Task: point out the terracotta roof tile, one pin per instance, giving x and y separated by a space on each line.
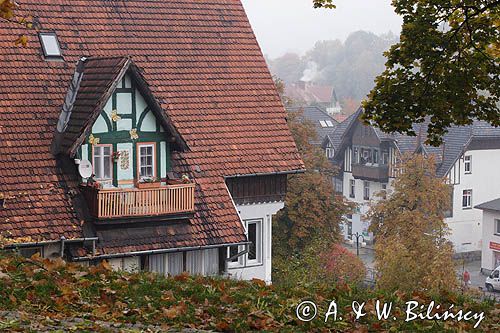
203 64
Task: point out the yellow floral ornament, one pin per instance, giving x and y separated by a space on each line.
114 116
133 134
93 140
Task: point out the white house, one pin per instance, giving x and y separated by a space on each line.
490 254
468 159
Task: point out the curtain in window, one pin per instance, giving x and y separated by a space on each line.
175 263
211 261
194 262
157 263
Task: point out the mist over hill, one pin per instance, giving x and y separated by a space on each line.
350 66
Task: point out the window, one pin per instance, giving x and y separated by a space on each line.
352 188
50 44
255 237
329 152
323 123
329 123
468 164
384 191
231 252
146 158
338 185
28 252
102 162
356 155
375 156
366 190
497 227
467 199
385 157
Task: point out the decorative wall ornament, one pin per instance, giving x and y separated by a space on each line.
133 134
124 159
114 116
93 140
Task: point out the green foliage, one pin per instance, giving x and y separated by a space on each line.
445 68
411 250
56 290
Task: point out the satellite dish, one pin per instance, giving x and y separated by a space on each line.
85 168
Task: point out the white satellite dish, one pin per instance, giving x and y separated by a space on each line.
85 168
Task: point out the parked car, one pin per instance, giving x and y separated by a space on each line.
493 281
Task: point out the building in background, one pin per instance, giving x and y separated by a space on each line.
322 121
149 143
490 254
468 160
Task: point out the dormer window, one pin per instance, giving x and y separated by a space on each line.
50 45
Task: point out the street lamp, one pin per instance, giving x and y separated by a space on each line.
357 236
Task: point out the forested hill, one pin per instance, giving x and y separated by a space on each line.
350 67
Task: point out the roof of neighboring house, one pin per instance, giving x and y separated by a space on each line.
202 64
311 92
490 205
319 118
455 141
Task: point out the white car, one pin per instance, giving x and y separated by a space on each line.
493 281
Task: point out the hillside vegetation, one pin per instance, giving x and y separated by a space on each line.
59 291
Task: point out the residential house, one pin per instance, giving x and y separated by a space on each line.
490 252
467 159
149 134
322 121
308 93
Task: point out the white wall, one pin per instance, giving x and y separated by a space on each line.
358 224
243 270
488 255
484 180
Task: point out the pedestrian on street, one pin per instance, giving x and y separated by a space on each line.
466 278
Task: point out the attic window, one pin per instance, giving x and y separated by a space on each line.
50 45
323 123
329 123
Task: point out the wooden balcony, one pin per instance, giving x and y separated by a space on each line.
378 173
131 203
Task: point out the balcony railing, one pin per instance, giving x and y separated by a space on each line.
120 203
373 172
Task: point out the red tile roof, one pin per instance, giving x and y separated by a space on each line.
200 59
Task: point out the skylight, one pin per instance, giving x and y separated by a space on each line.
323 123
329 123
50 45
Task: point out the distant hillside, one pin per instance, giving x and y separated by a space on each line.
349 67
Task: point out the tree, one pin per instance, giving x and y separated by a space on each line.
8 13
411 250
445 67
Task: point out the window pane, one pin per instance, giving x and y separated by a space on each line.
252 237
50 45
233 250
107 167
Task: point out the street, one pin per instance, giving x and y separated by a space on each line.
366 254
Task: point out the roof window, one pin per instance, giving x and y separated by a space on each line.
50 45
329 123
323 123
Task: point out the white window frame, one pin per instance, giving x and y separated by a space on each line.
468 164
467 199
330 152
102 157
239 260
44 40
366 190
259 242
352 188
139 155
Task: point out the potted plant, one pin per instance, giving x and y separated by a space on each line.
116 156
148 182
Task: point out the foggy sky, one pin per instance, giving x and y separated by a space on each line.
294 25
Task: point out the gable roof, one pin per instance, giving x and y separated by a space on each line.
95 80
315 115
493 205
455 141
202 63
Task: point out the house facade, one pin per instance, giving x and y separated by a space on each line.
156 142
467 160
490 252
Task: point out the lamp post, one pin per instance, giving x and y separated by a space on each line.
357 235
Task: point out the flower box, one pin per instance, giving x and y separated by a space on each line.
146 185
